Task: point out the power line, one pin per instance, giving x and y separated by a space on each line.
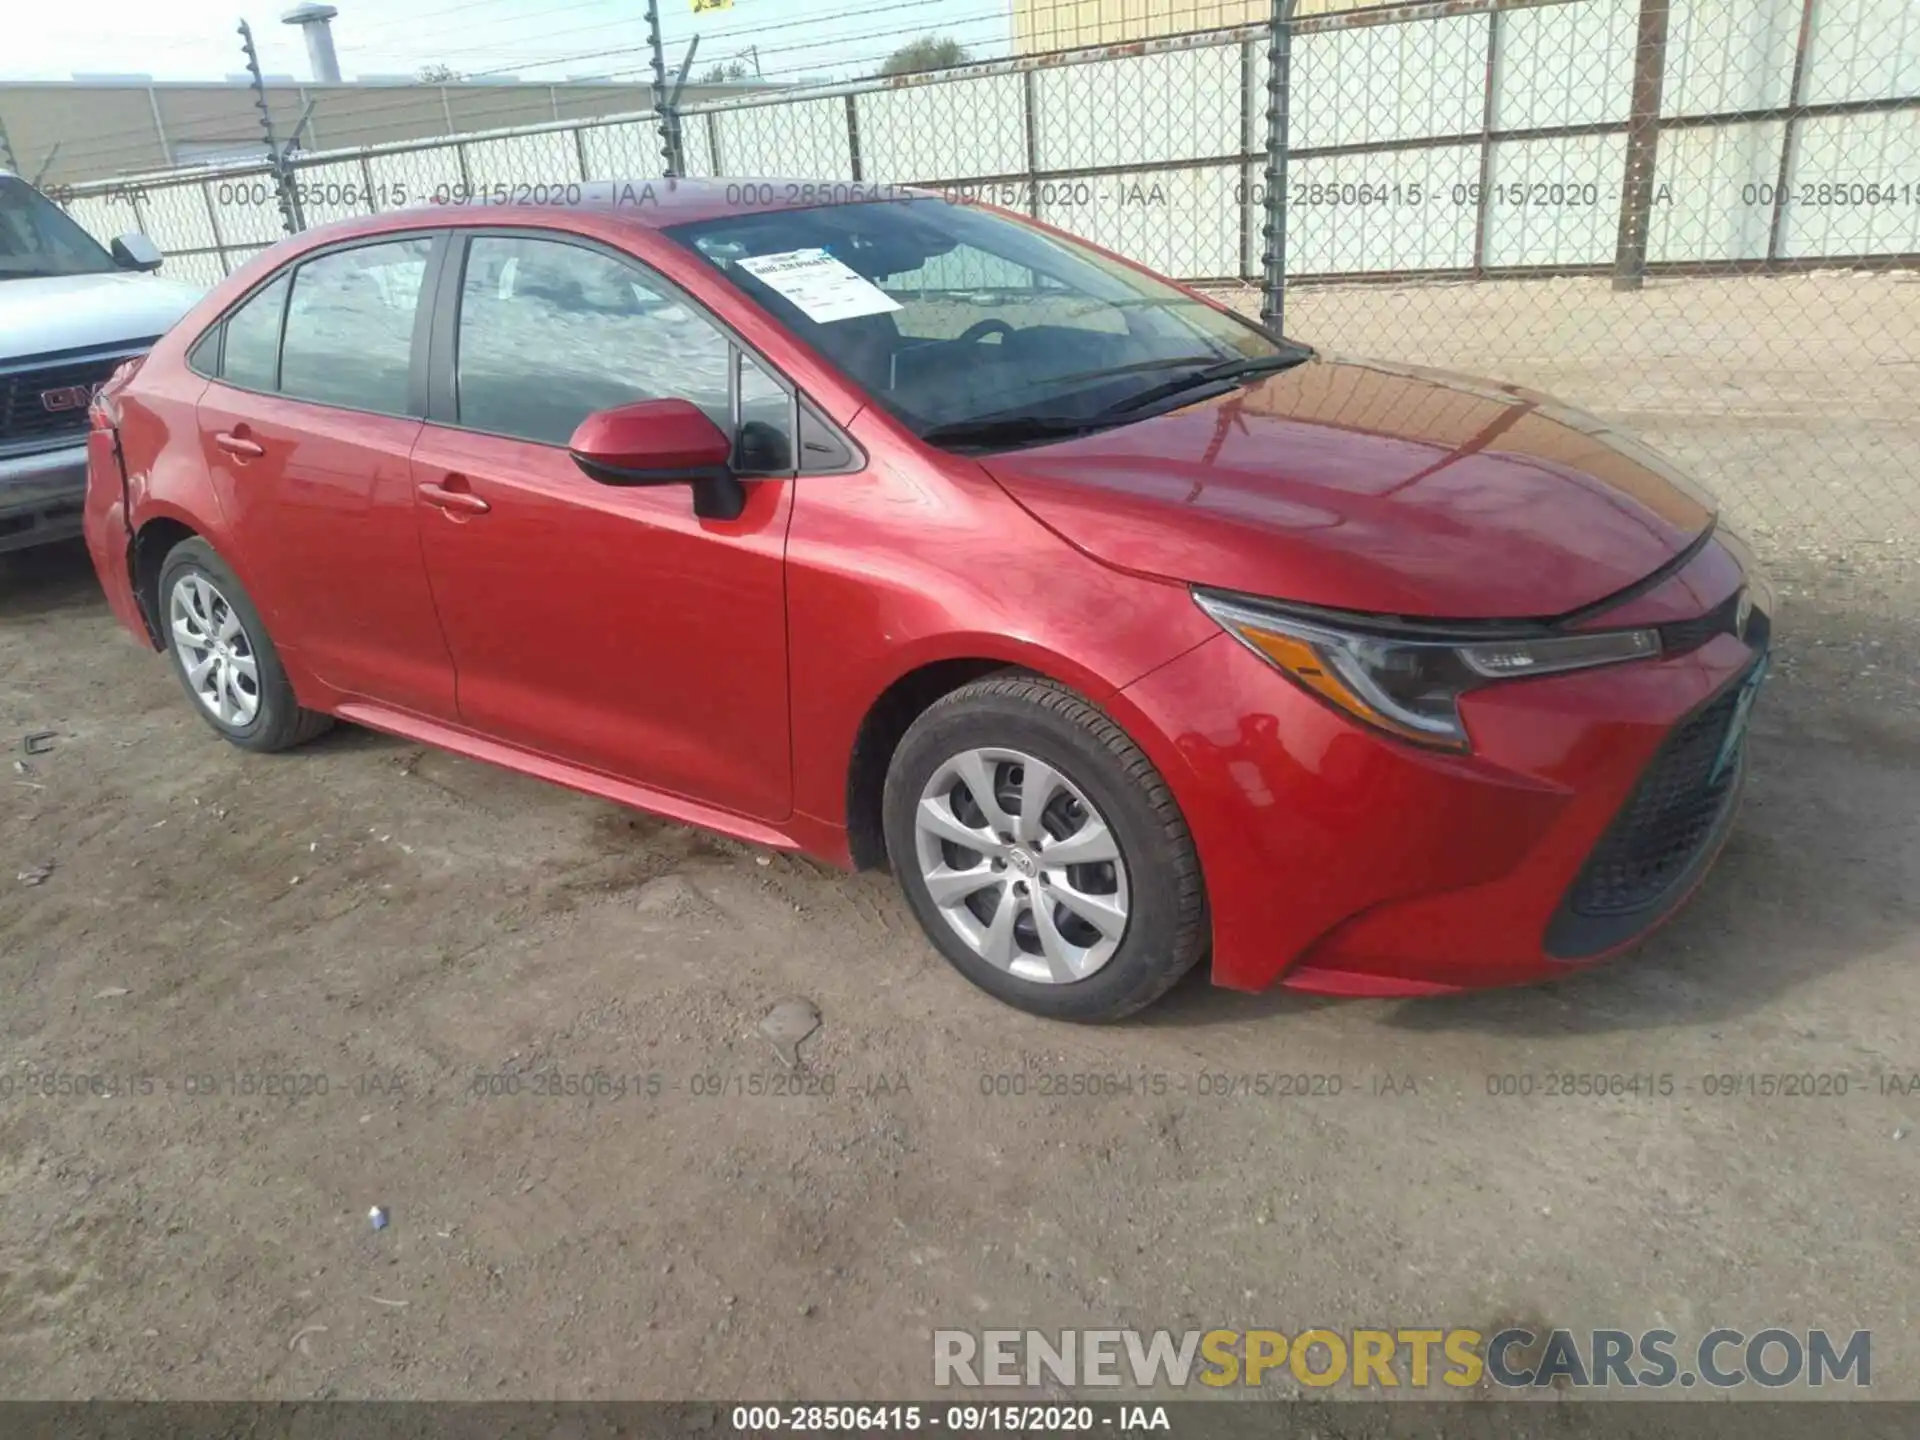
748 27
869 35
365 120
413 22
728 31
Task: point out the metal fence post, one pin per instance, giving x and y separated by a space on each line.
290 216
1029 113
1790 137
853 139
1273 297
213 226
661 110
1249 61
1643 146
1483 198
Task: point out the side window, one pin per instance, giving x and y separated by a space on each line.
253 339
551 332
349 337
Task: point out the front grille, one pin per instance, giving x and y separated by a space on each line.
1669 817
24 416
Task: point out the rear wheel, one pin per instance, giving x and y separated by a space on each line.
1042 852
221 652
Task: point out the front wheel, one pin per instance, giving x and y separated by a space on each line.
1042 852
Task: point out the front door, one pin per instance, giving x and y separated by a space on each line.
605 626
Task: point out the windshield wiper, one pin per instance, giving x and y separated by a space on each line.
1012 429
1164 362
1242 368
1004 429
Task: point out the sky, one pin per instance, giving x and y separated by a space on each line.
196 39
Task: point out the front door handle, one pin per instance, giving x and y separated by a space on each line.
458 502
238 444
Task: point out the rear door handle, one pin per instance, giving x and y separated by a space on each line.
459 502
238 444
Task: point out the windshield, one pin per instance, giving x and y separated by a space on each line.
964 323
38 238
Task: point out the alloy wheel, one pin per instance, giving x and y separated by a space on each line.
1022 865
216 653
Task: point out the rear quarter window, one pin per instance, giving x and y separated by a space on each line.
251 352
204 357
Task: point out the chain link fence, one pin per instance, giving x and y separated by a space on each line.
1699 219
211 220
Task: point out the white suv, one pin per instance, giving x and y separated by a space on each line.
70 312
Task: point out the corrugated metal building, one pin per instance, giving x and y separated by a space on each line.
73 131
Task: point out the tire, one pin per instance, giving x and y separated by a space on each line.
1098 793
200 595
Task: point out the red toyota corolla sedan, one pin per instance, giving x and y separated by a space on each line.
913 533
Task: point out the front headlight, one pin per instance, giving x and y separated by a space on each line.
1408 686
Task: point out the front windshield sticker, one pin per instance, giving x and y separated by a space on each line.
822 287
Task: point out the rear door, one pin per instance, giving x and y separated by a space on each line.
609 627
308 430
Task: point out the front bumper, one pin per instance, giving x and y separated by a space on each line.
1342 861
41 494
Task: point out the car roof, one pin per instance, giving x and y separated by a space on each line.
656 203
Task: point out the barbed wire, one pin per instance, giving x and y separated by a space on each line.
855 55
365 120
411 25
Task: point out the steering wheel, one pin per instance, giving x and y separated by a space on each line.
980 329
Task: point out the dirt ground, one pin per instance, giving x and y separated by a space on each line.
420 938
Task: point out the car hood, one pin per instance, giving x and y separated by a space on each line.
1362 486
44 313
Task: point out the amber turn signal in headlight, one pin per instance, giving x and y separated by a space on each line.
1408 686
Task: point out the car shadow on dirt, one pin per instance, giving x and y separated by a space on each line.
48 579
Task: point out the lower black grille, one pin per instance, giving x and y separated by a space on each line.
48 401
1668 819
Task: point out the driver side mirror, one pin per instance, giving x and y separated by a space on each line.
134 251
661 442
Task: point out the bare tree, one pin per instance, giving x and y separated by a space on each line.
437 74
